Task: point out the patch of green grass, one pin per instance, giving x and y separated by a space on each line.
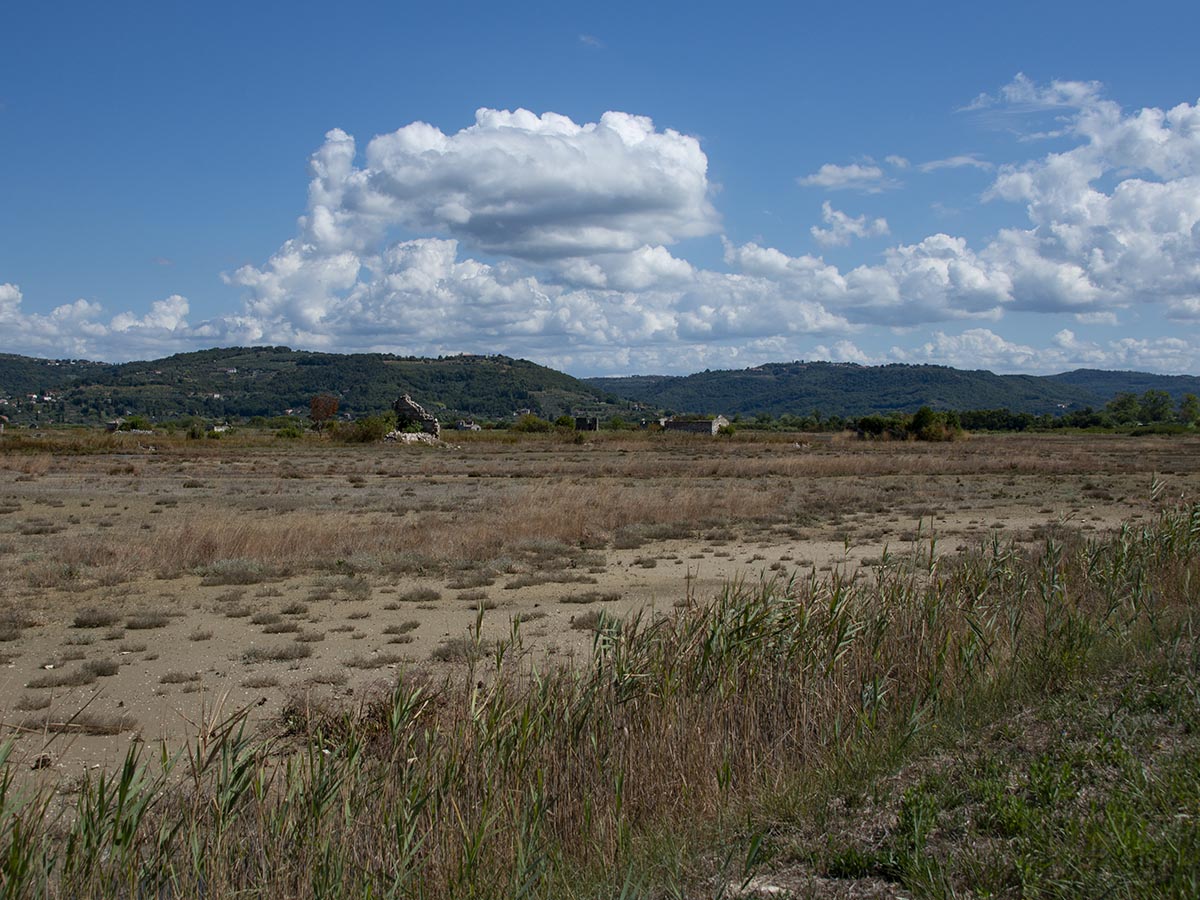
1087 792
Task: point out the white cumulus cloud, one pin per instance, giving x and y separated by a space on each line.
79 329
964 160
856 176
981 348
843 228
537 236
516 183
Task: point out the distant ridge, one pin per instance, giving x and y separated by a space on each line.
267 381
849 389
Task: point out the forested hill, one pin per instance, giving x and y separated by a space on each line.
848 389
1106 384
267 381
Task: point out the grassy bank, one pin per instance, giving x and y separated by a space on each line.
718 727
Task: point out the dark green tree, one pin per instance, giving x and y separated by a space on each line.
1189 409
1124 409
1156 406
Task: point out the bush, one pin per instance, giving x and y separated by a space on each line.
136 423
531 424
370 430
927 425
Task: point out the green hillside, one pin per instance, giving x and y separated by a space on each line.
24 375
267 381
1107 384
847 389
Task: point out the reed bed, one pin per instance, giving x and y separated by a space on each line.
518 780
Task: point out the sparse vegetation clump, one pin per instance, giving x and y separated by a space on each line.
95 618
420 595
147 620
234 571
278 653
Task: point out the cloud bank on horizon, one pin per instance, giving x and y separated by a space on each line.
536 236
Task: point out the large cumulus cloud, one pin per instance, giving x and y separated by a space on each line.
518 184
581 218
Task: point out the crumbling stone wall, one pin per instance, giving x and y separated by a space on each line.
409 412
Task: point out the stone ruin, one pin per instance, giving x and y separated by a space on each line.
409 412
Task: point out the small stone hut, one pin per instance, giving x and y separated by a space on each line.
696 426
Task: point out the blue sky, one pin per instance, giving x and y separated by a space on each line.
659 188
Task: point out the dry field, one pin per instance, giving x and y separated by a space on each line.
146 584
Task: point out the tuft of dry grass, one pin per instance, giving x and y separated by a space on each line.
147 620
236 570
459 650
92 617
535 578
57 678
103 668
85 722
419 595
375 660
403 627
591 597
588 621
177 677
278 653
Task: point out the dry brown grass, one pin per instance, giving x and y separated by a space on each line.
574 779
462 511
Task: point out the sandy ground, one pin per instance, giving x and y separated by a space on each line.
169 645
